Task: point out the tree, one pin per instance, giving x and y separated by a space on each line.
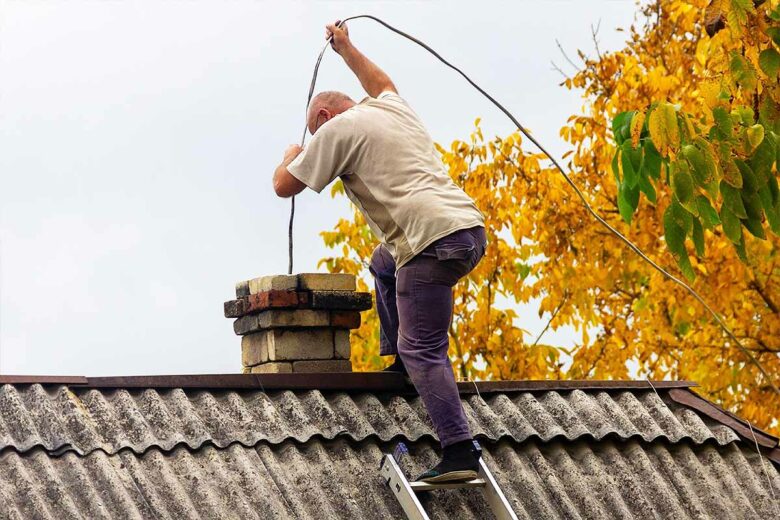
686 114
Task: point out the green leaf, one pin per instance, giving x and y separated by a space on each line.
763 159
628 200
682 182
769 112
740 247
707 212
755 135
646 187
630 166
774 32
710 163
752 203
749 181
742 71
615 168
772 215
732 227
685 266
769 61
774 189
621 126
755 228
731 173
681 216
732 200
698 237
673 233
652 160
722 123
695 159
746 115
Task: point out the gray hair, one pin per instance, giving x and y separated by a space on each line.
331 100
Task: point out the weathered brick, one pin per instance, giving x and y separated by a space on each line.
272 368
259 302
273 319
242 289
342 347
341 300
324 365
345 319
245 325
326 282
235 308
254 349
279 282
286 345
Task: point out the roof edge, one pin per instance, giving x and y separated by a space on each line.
356 381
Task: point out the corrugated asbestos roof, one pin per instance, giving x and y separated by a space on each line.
70 419
598 451
340 479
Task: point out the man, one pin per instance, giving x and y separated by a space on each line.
431 233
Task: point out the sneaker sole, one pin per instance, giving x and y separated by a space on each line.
452 476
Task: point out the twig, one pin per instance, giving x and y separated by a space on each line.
566 56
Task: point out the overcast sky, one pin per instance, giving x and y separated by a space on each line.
138 139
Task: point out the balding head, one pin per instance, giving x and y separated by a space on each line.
324 106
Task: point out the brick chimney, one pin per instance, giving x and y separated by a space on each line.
296 323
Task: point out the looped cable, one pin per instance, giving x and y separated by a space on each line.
569 181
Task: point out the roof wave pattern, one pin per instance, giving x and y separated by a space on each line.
66 419
340 479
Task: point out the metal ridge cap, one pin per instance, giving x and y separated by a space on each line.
750 433
358 381
22 379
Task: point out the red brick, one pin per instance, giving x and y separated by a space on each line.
345 319
259 302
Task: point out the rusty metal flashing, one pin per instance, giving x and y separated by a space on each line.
770 443
42 380
356 381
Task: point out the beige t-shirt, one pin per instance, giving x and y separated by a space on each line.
391 171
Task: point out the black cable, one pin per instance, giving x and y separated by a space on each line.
579 193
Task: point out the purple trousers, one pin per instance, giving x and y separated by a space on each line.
415 312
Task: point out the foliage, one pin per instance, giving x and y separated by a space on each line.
666 116
719 153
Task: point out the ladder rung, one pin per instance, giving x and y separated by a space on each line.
418 487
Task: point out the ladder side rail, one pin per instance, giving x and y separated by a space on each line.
400 487
494 496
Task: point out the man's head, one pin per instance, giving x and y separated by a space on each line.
326 105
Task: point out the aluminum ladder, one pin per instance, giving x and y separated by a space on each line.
406 492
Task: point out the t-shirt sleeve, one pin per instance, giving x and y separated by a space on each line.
328 155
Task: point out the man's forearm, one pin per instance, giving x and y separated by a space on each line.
373 79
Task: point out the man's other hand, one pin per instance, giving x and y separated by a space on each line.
285 185
340 36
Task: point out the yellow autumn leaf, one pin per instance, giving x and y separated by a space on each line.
636 127
544 247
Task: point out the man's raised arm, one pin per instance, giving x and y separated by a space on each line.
373 79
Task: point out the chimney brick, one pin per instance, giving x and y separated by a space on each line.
297 323
325 365
341 344
287 345
272 368
345 319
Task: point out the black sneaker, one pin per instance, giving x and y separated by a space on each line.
460 462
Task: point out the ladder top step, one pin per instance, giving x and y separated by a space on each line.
429 486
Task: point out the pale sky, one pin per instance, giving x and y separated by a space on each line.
138 140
